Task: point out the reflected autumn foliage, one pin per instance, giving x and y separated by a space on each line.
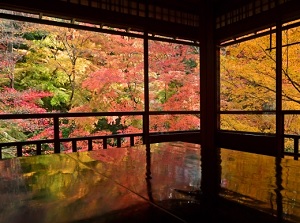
80 185
251 179
173 166
58 187
105 183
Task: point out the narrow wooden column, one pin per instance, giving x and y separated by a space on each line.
209 103
279 122
146 84
279 114
56 134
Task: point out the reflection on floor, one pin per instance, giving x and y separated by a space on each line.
114 185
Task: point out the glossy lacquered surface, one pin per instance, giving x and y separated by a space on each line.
153 183
113 185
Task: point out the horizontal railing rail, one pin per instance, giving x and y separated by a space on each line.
250 112
67 115
94 114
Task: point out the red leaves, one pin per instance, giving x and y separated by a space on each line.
101 78
13 101
21 102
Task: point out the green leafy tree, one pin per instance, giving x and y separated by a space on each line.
70 51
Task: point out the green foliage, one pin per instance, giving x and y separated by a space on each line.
67 128
10 132
114 127
191 64
170 90
35 35
43 78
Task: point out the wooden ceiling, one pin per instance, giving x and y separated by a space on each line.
171 18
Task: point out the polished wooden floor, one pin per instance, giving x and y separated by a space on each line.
114 185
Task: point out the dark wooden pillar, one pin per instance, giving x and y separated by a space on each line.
209 102
279 114
146 90
279 122
146 117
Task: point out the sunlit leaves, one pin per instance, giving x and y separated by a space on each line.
248 82
248 75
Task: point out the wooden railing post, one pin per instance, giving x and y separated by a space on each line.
56 134
296 148
105 143
74 146
19 150
38 149
118 141
90 145
131 140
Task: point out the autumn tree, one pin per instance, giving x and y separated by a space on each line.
85 71
291 80
174 81
248 84
70 49
22 102
174 85
248 81
290 69
119 78
117 85
57 61
19 96
11 43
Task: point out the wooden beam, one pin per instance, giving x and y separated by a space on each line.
209 59
82 13
287 12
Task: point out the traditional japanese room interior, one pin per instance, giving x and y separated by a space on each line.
149 111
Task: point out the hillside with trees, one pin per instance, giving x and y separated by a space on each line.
54 69
47 69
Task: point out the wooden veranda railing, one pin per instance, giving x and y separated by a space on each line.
294 137
188 136
262 143
243 141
